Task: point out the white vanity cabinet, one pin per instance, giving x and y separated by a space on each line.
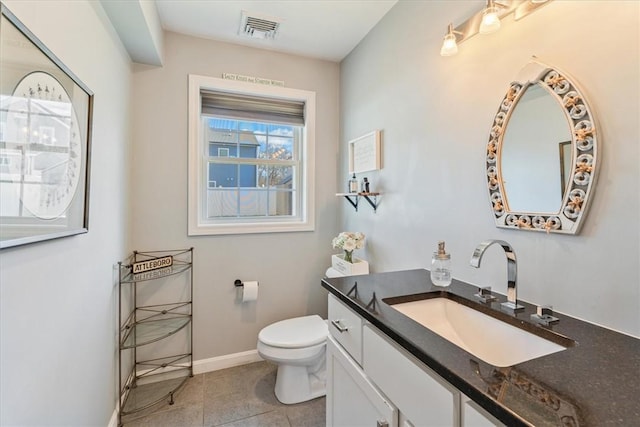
472 415
372 381
420 394
352 400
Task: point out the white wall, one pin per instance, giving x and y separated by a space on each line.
58 351
289 266
436 113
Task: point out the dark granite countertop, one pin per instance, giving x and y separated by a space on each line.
595 382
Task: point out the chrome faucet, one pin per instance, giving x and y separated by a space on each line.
512 271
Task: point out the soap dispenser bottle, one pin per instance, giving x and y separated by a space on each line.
441 266
353 184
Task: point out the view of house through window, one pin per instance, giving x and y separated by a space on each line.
252 168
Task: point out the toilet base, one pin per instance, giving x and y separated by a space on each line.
296 384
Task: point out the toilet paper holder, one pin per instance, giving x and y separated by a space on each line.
246 291
238 283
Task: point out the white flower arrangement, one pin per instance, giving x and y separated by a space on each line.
348 241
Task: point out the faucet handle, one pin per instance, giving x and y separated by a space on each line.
544 315
544 310
484 295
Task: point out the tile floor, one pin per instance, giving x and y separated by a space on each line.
236 397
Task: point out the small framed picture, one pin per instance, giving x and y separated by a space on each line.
364 153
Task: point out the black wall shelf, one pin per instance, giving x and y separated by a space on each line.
354 199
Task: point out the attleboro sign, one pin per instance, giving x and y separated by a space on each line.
151 264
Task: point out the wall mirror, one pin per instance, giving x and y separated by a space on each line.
541 158
45 140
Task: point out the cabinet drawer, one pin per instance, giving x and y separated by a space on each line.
345 327
418 392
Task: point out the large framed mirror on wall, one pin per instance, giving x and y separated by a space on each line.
542 155
45 141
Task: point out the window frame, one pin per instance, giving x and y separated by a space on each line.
198 224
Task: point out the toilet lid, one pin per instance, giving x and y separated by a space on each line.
295 333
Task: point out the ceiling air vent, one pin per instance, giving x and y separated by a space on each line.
259 26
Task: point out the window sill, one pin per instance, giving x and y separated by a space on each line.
248 228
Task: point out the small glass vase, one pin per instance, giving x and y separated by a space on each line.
348 256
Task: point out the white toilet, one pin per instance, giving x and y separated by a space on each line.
298 347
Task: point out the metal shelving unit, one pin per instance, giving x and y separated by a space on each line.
145 382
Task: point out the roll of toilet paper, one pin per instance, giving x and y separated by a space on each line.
332 272
250 291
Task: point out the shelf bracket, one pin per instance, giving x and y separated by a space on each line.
373 203
354 199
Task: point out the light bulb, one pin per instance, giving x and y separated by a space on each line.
449 44
490 21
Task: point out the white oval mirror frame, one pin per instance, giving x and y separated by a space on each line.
584 154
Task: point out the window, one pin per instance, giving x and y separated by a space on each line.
251 151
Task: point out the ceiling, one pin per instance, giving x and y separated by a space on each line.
324 29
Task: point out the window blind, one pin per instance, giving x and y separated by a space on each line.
237 106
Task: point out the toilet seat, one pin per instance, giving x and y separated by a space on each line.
295 356
299 332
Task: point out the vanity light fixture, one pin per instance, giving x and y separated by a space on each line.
490 20
487 21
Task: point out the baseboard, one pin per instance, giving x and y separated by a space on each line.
202 366
210 365
226 361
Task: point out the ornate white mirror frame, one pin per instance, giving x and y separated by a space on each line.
584 154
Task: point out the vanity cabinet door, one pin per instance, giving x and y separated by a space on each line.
474 416
352 400
418 392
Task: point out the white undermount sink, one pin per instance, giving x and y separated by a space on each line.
492 340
